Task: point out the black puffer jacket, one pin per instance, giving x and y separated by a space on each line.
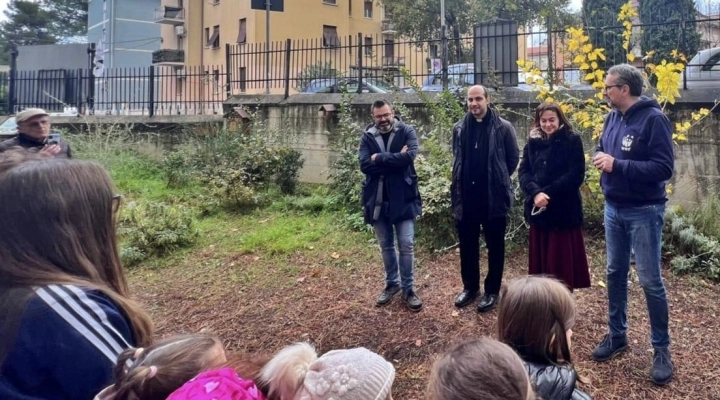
553 382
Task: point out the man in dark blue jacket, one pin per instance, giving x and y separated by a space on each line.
635 155
390 197
486 154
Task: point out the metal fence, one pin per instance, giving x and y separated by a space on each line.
366 62
156 90
292 65
4 83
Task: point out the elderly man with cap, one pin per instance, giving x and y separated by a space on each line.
34 134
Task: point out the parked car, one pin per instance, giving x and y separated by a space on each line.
334 85
703 71
8 127
459 76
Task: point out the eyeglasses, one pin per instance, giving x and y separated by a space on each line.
116 203
383 116
607 87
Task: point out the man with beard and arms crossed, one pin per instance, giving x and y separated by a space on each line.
485 152
635 155
390 197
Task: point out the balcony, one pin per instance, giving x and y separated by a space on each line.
169 57
387 27
391 61
170 15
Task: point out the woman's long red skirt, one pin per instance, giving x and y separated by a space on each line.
560 254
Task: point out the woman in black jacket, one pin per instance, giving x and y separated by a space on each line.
551 173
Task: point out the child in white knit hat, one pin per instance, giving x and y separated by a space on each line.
296 373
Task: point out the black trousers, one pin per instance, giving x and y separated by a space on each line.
468 230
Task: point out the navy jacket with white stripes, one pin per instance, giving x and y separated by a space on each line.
68 342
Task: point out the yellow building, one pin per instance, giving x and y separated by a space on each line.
322 32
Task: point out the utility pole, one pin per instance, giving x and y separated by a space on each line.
443 38
267 47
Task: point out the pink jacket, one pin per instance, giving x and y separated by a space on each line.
221 384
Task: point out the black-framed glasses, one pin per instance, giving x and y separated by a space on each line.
116 202
608 87
382 117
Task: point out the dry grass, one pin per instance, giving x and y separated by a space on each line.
260 304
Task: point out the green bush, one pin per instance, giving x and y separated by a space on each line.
230 188
692 251
154 229
255 158
345 176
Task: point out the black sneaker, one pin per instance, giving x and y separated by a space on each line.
609 347
387 295
412 301
662 367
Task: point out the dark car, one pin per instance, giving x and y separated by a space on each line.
335 85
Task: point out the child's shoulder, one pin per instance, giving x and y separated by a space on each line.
552 381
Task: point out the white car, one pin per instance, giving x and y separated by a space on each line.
9 127
703 71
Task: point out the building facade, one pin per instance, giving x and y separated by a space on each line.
195 33
127 30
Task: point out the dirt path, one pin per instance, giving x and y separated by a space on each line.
259 307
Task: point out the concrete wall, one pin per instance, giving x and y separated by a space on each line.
697 166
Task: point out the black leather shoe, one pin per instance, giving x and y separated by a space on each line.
387 295
465 298
488 302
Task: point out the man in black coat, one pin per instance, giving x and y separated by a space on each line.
390 198
486 154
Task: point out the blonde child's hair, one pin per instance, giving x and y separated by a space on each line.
533 318
479 369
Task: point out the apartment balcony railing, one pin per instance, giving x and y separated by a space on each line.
387 27
168 57
392 61
170 15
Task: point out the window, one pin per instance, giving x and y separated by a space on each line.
349 7
330 36
243 79
389 48
368 45
216 76
433 51
214 40
368 8
207 37
333 2
179 85
242 35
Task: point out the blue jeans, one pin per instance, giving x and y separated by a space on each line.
639 229
385 233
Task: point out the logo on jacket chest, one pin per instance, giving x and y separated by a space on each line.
627 142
